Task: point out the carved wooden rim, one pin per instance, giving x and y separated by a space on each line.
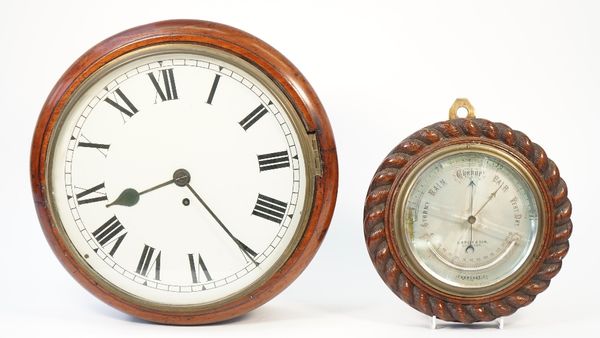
403 282
274 65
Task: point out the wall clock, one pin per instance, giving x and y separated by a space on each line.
467 220
184 171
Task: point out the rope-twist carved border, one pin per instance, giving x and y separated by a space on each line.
380 191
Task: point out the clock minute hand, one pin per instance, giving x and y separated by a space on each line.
492 195
245 249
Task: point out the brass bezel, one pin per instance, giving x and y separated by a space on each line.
400 200
312 162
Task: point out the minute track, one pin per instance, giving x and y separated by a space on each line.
252 257
249 253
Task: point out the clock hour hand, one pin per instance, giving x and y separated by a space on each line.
245 249
130 197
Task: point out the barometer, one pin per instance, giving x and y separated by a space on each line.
467 220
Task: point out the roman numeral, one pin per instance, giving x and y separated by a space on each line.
196 267
215 83
129 112
273 161
254 116
100 147
95 190
170 92
93 145
150 258
111 232
269 208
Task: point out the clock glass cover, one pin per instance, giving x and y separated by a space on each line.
179 175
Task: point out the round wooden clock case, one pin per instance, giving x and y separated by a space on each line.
270 64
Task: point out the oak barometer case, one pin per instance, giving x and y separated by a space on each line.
184 172
467 220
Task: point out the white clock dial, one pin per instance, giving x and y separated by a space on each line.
470 219
179 177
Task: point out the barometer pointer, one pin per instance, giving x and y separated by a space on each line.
471 219
492 195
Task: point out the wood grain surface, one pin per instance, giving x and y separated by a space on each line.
267 60
379 221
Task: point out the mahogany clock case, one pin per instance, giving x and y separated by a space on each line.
387 257
271 63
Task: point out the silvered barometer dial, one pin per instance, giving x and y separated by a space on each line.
467 220
470 217
182 175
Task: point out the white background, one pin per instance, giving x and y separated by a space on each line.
382 70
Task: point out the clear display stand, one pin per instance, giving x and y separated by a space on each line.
498 323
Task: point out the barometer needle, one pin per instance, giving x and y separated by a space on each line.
245 249
471 219
492 195
472 185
